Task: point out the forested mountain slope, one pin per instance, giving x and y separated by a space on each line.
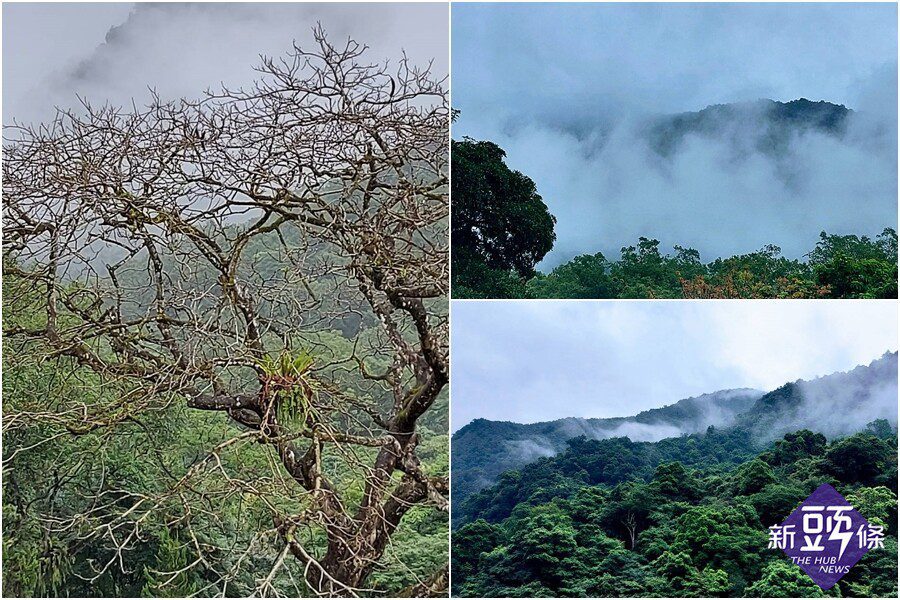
683 517
483 449
687 516
835 405
764 125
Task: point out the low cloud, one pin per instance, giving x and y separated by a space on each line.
717 193
181 49
529 450
844 403
570 107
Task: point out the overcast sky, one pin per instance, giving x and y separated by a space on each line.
561 87
116 51
544 360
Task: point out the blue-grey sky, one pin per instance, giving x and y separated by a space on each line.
561 87
528 361
115 51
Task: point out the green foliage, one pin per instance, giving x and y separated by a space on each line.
795 446
683 579
782 579
472 278
683 517
502 229
876 504
643 272
483 449
752 477
172 556
284 382
610 461
286 364
838 267
585 276
857 267
52 475
880 428
776 500
501 226
861 458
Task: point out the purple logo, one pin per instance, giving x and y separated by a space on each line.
825 536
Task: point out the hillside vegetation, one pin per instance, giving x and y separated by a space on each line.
686 515
483 449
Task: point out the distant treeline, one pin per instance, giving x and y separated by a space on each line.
840 266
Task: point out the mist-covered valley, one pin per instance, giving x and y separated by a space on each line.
724 179
835 405
687 516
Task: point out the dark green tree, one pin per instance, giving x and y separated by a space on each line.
471 541
881 428
795 446
501 227
752 477
585 276
857 267
859 458
682 517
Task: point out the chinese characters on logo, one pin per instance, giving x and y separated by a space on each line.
825 536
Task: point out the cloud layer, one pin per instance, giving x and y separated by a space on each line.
539 361
114 53
565 89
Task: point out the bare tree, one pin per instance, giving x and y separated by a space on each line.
133 228
630 523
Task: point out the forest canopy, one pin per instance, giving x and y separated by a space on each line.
501 226
683 517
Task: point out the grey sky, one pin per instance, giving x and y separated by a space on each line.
663 58
116 51
544 360
561 87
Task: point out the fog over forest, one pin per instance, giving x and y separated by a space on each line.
530 362
569 93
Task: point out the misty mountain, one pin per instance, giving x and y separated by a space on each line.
764 126
484 449
835 405
731 178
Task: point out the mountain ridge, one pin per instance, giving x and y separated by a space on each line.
489 448
870 390
483 449
764 125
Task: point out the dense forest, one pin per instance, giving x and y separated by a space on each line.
839 266
682 517
57 473
836 405
687 515
484 449
502 229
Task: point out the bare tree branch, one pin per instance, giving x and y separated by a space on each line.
177 248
